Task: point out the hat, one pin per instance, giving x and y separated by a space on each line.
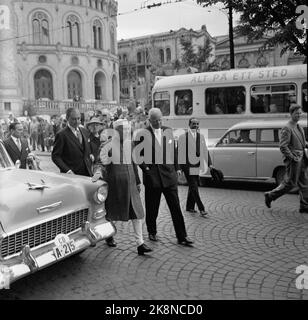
120 122
94 120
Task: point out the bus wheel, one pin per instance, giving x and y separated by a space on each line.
182 179
279 175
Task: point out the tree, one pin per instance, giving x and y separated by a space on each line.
189 56
203 55
230 5
275 19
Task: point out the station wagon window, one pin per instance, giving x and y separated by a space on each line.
162 101
304 97
225 100
183 102
272 98
238 137
269 136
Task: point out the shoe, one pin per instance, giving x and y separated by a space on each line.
111 243
203 213
186 242
143 249
191 210
153 237
303 210
268 199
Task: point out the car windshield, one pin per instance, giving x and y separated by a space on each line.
5 160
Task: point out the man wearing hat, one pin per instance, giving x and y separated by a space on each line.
95 126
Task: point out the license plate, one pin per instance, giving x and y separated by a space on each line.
64 246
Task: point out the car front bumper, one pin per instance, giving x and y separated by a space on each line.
32 260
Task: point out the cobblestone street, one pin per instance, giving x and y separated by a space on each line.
242 250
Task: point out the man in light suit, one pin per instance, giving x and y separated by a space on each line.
192 146
71 150
292 146
16 146
160 177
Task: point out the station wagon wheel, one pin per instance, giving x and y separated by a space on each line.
279 175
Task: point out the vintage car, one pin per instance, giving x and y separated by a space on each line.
46 217
250 150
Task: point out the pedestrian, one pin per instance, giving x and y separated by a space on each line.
16 145
192 146
41 131
292 146
95 126
71 149
123 202
34 133
160 177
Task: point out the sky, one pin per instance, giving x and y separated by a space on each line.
169 16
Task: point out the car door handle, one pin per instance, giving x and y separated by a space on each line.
251 153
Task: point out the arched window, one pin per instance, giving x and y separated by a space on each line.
97 35
74 84
40 28
100 86
90 3
162 56
114 88
168 54
73 31
112 40
96 4
43 86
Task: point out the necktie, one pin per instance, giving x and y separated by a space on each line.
18 144
79 136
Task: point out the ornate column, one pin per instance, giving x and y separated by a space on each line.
10 100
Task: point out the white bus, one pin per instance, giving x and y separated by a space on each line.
224 98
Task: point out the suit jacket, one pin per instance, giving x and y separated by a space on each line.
159 170
15 153
292 143
190 150
69 154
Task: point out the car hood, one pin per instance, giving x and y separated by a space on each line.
19 205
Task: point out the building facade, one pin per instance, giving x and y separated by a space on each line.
144 58
64 51
141 59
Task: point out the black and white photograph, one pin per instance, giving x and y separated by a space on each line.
153 154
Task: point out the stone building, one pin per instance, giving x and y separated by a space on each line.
143 58
58 51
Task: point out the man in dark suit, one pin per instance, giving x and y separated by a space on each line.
193 153
71 150
16 146
160 177
292 146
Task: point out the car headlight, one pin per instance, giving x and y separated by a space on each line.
101 193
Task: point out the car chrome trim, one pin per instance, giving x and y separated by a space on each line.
49 208
28 259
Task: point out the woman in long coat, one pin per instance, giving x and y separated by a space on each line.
118 170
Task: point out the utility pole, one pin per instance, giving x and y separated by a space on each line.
231 40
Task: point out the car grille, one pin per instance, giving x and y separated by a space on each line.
43 232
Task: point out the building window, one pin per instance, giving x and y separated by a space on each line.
43 85
42 59
7 106
124 58
73 31
74 84
40 28
272 98
97 35
100 86
225 100
168 54
112 40
139 57
161 56
114 88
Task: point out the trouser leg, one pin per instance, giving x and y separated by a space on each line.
137 225
303 185
152 202
289 182
190 202
172 198
193 184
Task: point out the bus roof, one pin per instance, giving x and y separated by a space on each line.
239 76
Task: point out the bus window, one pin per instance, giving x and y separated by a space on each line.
162 101
272 98
227 100
183 102
304 97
